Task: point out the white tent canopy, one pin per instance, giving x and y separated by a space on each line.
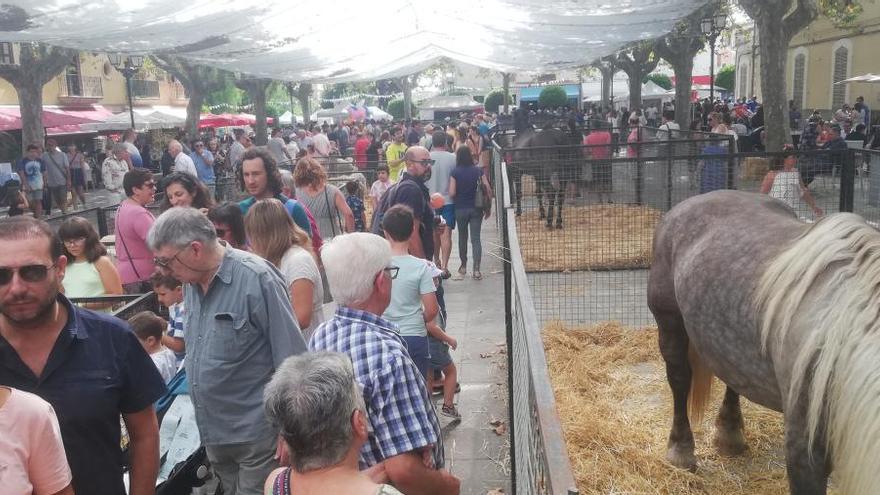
258 38
122 121
289 118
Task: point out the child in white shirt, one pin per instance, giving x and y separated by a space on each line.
149 329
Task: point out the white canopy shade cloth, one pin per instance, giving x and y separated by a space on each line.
866 78
288 118
310 40
122 121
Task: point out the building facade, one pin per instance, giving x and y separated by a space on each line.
91 80
819 56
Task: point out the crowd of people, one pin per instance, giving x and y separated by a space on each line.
338 402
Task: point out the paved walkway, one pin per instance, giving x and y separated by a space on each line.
474 451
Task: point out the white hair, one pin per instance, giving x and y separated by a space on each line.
310 399
174 145
178 227
287 179
352 262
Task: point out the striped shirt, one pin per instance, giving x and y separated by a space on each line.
401 416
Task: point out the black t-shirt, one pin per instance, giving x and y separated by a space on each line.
411 191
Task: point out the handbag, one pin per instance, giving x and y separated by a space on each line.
480 195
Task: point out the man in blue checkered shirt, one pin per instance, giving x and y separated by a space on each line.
404 431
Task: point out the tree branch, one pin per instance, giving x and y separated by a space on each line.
802 16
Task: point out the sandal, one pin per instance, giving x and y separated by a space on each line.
445 275
478 275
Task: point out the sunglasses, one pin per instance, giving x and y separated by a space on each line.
28 273
221 232
424 163
391 271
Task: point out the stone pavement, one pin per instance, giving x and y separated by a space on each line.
474 451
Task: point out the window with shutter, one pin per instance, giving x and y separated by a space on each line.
841 68
7 57
800 66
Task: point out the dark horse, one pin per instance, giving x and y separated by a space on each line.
546 155
784 313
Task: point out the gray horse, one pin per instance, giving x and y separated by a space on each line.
782 312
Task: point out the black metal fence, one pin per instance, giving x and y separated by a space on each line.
590 263
539 460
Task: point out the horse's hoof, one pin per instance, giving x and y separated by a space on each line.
730 443
559 225
682 458
549 226
519 213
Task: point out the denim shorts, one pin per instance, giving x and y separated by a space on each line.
440 357
419 352
448 214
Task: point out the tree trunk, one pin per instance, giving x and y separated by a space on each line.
302 94
407 99
30 103
635 90
774 52
259 98
607 76
683 68
194 112
505 78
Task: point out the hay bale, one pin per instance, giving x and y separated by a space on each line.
754 168
616 411
595 237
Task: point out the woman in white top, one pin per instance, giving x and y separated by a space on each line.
89 272
784 183
274 236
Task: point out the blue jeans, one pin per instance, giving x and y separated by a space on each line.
469 220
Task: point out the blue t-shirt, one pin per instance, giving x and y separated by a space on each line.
205 171
466 178
412 282
96 371
32 171
296 211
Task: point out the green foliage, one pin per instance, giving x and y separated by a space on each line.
552 96
495 99
726 77
661 80
229 94
842 13
395 108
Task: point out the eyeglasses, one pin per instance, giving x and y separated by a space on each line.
424 163
28 273
149 185
75 240
221 232
166 262
391 271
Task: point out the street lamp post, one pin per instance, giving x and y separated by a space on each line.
128 67
712 28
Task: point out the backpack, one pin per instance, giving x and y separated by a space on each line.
386 201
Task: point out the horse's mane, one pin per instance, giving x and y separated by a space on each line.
829 280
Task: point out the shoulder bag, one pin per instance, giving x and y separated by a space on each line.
335 221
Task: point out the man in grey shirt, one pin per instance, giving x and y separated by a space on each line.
239 329
57 177
278 148
237 149
444 162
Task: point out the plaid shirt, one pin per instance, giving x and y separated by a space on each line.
401 415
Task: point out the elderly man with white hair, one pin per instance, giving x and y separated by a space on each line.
239 329
405 434
182 162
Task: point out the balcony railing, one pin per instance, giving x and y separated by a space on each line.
144 88
75 86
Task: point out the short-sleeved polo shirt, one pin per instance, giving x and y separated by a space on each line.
96 371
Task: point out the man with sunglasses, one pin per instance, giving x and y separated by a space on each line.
239 329
89 366
412 191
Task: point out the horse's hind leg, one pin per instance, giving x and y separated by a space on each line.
560 197
674 349
551 202
729 438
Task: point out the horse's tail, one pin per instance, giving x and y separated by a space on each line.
701 386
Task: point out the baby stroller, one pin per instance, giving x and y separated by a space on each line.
183 463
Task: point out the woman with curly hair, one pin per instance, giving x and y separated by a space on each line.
90 272
324 200
185 190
